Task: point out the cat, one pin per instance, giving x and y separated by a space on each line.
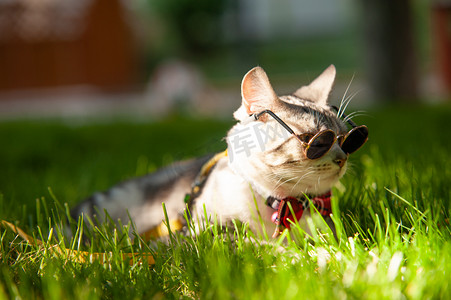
288 149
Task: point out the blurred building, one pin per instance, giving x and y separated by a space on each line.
49 43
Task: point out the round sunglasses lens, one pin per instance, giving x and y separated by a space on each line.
355 139
320 144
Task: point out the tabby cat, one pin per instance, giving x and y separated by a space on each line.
284 154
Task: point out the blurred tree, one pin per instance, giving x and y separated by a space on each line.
391 50
197 25
442 37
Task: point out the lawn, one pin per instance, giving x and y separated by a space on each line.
391 211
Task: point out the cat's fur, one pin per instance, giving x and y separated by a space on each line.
280 170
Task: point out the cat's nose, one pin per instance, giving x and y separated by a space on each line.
341 159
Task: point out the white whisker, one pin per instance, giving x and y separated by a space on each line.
347 101
302 178
355 115
283 182
344 97
286 174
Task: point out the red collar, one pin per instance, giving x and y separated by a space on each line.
283 214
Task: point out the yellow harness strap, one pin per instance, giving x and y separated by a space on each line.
203 174
76 255
161 230
212 162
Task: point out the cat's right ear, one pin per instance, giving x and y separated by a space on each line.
256 92
318 91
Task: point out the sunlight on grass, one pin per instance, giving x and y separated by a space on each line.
391 213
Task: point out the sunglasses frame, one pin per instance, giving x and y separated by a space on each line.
306 145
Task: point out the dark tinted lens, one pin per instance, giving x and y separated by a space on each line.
320 144
355 139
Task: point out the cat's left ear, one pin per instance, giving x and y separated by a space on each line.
256 92
318 91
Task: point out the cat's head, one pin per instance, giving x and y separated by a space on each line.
267 156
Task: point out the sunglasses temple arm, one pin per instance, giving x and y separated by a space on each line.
256 116
350 122
249 119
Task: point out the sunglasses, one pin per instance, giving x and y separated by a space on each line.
317 145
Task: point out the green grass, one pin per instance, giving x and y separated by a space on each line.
392 214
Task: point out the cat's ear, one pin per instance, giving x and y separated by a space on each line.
256 92
318 91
